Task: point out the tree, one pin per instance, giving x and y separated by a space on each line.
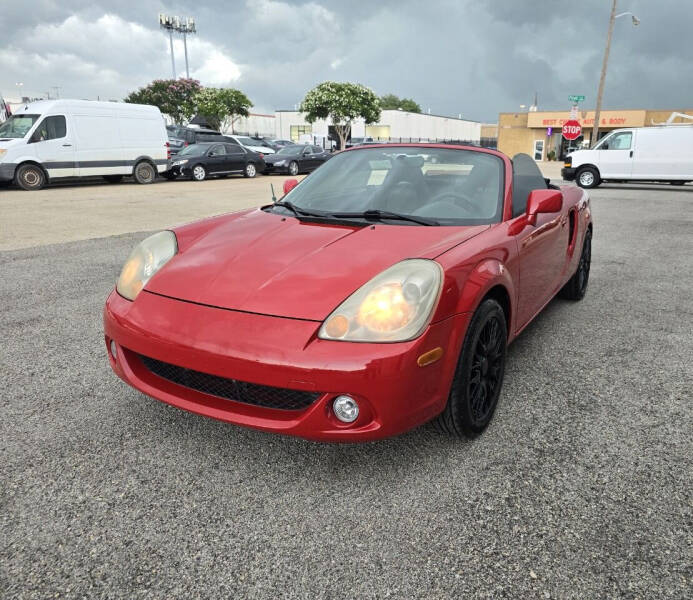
392 102
342 103
222 107
173 97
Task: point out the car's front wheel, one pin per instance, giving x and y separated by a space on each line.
250 170
293 168
30 177
199 173
478 378
588 177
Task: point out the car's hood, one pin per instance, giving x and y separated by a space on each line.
264 263
260 149
9 142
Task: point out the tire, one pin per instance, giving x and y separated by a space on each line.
576 287
144 172
198 173
293 168
250 170
588 177
113 178
30 177
471 403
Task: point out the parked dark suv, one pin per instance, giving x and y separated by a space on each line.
179 137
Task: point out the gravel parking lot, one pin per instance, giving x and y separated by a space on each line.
580 488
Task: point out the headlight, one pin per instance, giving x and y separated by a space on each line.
180 162
280 163
394 306
145 260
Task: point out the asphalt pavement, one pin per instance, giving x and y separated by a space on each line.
580 488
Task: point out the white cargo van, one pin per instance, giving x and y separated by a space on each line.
51 139
661 154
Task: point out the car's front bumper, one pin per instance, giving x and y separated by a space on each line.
7 171
393 392
568 173
270 168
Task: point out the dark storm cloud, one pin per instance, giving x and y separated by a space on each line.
453 56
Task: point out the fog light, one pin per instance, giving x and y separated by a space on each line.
345 409
113 349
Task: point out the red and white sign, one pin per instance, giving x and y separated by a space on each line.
571 130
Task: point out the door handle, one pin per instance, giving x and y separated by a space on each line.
66 145
631 154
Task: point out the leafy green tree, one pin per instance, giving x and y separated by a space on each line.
342 103
392 102
173 97
222 107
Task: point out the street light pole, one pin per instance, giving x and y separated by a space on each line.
600 93
173 58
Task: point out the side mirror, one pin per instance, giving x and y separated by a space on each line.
543 201
289 185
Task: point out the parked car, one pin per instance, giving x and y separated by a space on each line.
249 143
276 144
212 159
52 139
662 154
180 137
296 159
376 295
358 141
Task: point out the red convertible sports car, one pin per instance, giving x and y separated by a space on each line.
377 294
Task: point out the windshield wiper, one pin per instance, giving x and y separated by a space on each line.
384 214
300 212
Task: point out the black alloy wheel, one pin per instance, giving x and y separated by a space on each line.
478 378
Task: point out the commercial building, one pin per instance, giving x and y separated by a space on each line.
394 125
538 133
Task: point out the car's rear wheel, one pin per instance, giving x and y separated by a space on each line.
250 170
144 172
588 177
113 178
30 177
478 378
199 173
293 168
576 287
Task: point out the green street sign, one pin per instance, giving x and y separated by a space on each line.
576 98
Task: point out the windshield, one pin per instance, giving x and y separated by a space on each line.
193 149
17 126
453 187
294 149
246 141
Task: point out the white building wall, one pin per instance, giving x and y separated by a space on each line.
402 124
255 124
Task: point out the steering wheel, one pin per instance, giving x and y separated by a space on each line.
458 198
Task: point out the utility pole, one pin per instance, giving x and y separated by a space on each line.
186 27
167 23
600 93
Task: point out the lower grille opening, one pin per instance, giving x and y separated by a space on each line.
231 389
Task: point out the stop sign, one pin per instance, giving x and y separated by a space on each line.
571 130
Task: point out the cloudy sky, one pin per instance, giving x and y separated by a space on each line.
474 57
